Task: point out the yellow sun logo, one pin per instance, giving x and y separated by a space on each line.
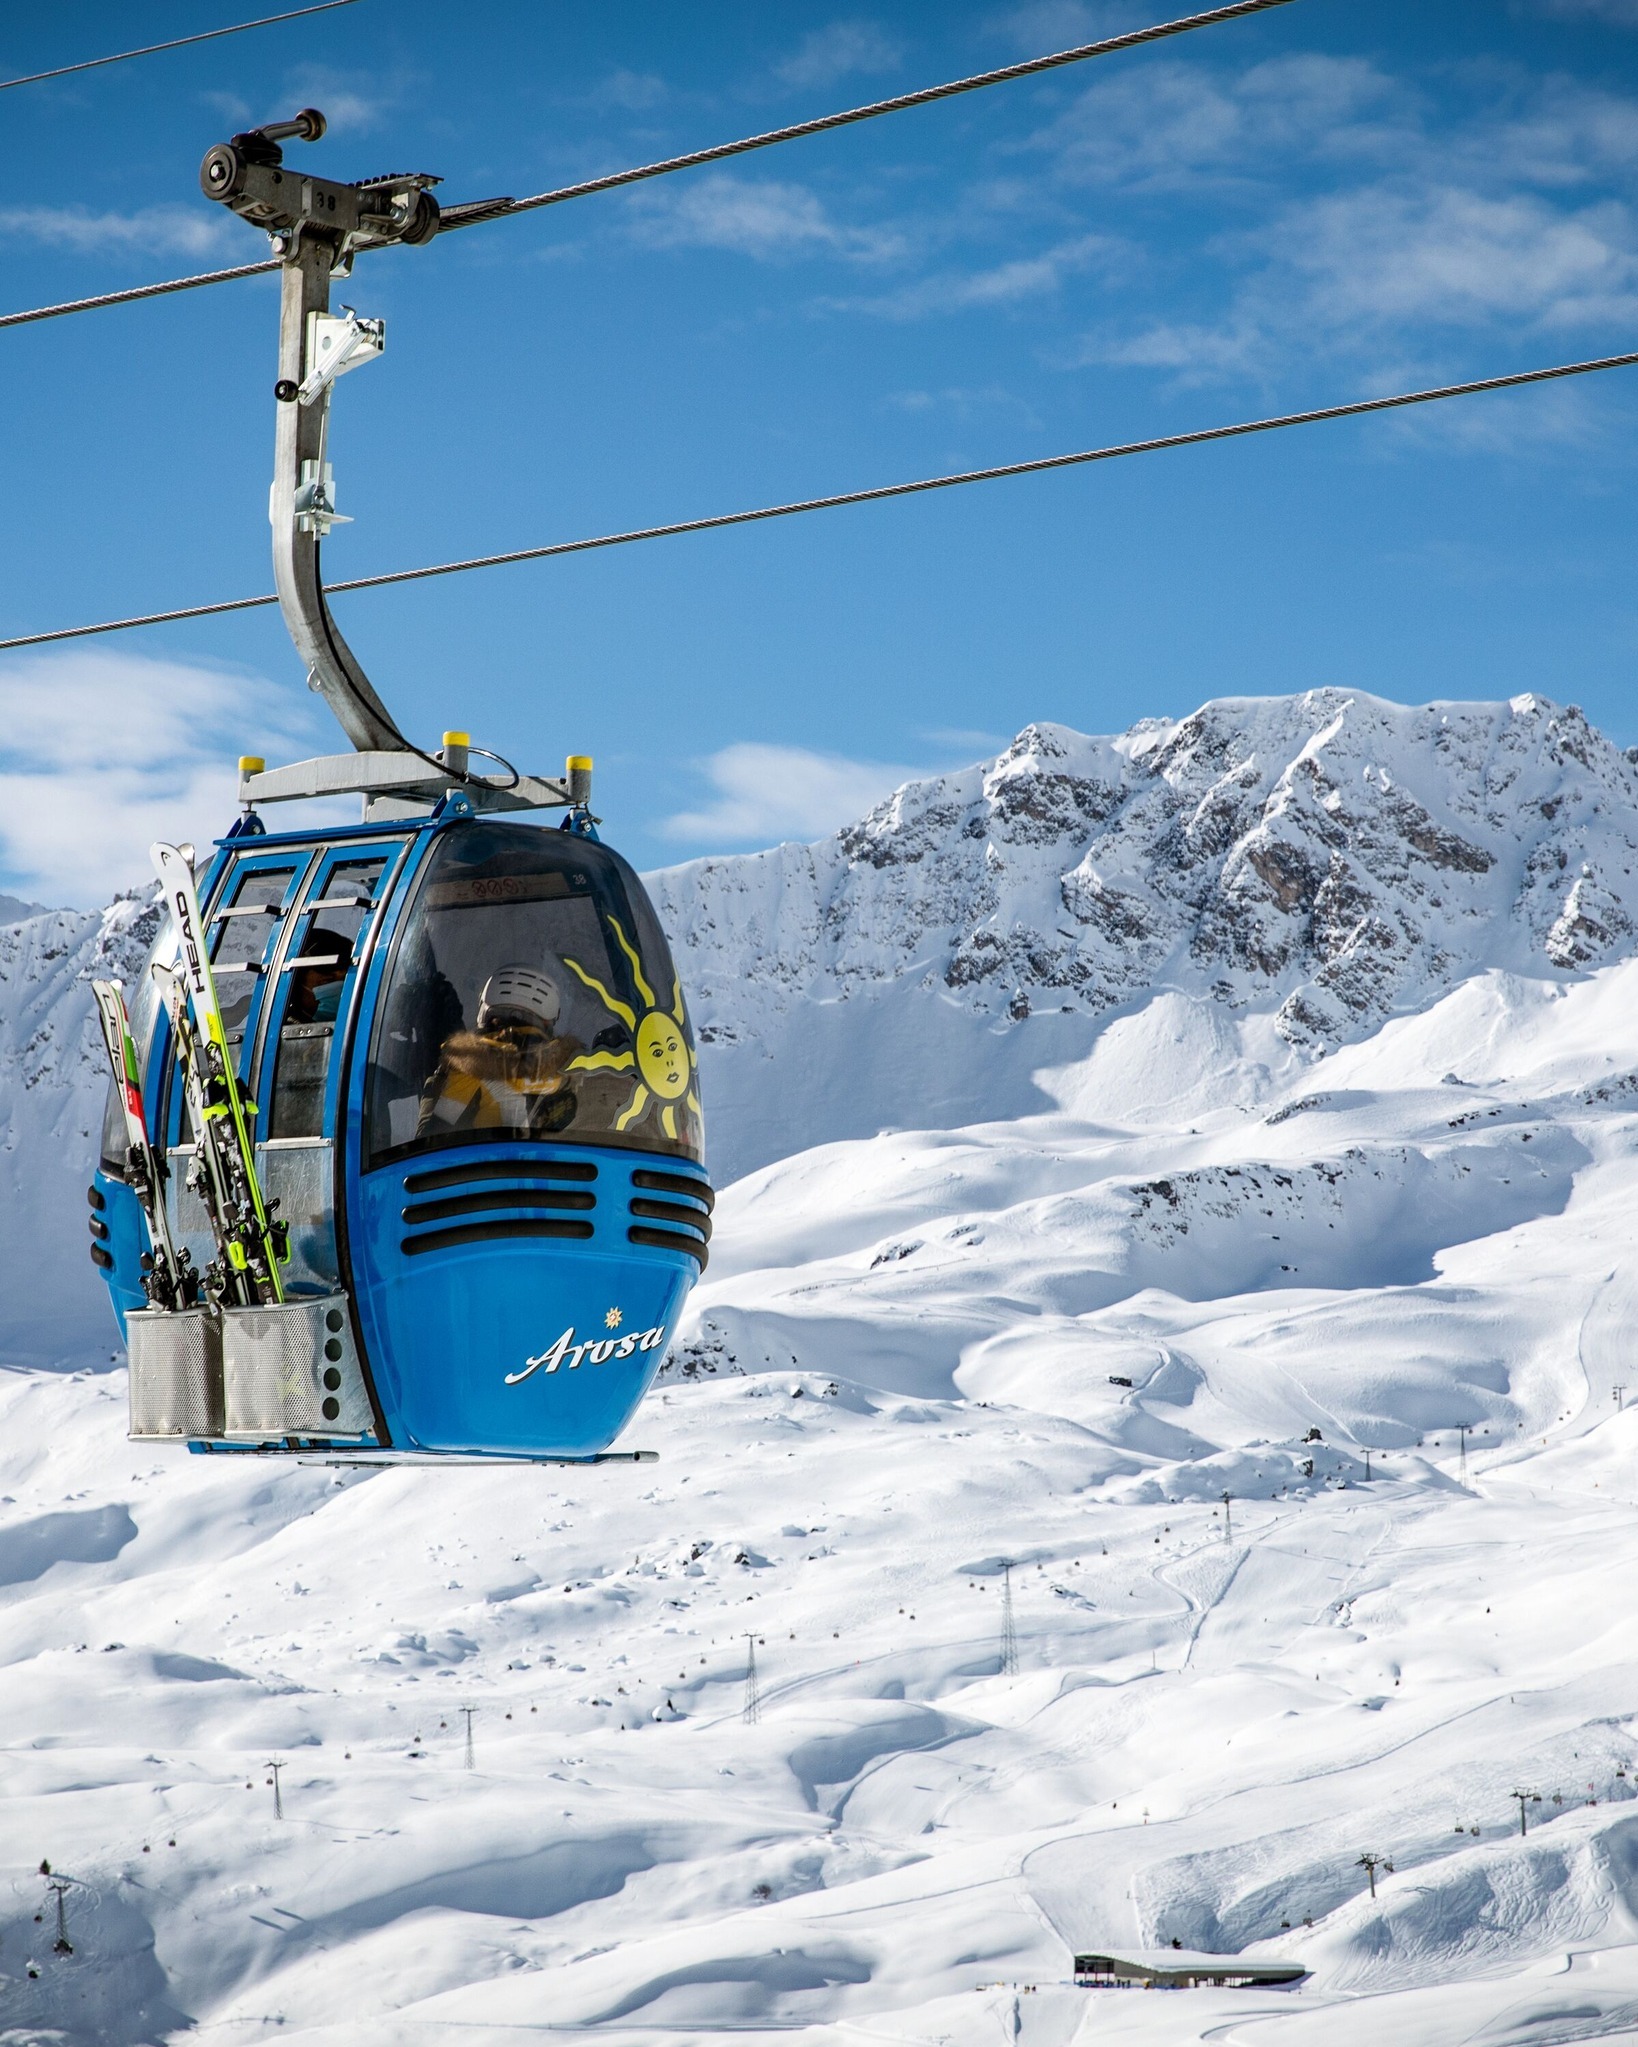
661 1061
613 1319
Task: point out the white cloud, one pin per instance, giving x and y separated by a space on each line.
1345 272
761 218
1171 123
232 109
1000 284
1195 350
101 753
157 230
964 740
1451 212
844 47
1623 12
765 794
1042 25
634 91
350 101
1460 258
966 401
1568 134
1511 423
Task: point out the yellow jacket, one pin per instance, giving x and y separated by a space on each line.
486 1082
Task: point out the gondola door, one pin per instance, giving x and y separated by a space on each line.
244 929
304 1050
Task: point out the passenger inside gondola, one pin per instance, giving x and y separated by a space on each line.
307 1034
315 991
525 970
510 1073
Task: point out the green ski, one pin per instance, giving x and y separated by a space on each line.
250 1243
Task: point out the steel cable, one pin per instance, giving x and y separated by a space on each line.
473 212
138 291
208 35
492 209
873 495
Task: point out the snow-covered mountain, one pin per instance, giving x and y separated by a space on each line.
53 1082
1289 1238
1323 862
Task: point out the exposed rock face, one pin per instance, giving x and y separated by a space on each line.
1332 857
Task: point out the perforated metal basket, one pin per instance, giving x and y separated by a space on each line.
293 1371
176 1373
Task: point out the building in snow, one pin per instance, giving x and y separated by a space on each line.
1171 1968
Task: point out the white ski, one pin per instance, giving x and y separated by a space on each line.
249 1240
168 1277
226 1280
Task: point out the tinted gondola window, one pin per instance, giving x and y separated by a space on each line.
530 994
319 975
242 929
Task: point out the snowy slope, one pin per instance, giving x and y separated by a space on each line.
1224 1255
53 1080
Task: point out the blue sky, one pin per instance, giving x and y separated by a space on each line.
1326 201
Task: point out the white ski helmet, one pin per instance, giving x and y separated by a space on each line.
519 994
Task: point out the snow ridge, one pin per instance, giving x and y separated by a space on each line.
1332 856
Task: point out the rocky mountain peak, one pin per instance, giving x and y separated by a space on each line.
1331 856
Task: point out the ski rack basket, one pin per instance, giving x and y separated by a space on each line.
248 1375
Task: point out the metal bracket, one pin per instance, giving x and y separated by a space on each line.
394 783
335 345
302 505
314 504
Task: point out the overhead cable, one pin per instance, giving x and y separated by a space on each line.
471 213
1353 410
208 35
139 291
1030 66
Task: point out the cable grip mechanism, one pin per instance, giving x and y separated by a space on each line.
249 175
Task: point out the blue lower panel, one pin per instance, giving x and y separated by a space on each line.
125 1243
483 1335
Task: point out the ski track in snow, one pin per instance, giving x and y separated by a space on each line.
908 1363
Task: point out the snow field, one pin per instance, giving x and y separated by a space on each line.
898 1375
1241 1106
